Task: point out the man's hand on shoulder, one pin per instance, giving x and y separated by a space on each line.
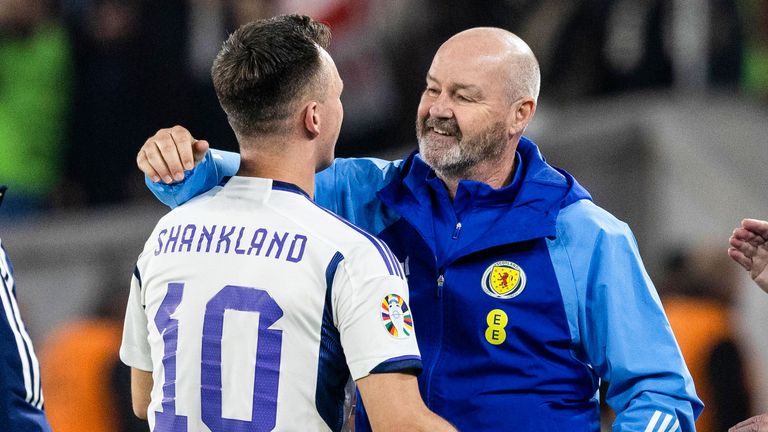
170 152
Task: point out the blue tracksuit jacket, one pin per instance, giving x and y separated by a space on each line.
523 297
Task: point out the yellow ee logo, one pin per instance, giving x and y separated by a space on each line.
497 319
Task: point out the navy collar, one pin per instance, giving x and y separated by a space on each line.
470 193
525 209
289 187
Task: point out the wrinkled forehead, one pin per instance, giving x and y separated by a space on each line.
476 65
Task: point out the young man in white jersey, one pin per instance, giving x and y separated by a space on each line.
251 307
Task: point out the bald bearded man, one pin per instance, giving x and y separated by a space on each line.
526 294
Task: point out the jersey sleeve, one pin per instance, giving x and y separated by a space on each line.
203 177
621 326
372 314
134 349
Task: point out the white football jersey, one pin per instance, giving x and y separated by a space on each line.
252 307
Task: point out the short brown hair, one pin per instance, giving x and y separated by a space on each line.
264 66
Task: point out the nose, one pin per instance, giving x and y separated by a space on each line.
440 107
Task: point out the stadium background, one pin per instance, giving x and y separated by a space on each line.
658 107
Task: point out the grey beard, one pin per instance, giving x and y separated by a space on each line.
489 145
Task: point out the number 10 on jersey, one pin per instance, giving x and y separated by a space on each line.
267 370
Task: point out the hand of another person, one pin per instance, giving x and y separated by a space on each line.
755 424
749 247
169 152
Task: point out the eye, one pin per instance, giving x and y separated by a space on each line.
431 91
463 98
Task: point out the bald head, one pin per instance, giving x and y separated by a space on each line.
499 49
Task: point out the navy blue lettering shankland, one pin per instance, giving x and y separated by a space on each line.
251 241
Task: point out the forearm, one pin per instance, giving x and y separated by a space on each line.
379 390
424 421
141 390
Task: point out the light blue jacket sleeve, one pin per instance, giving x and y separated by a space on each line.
203 177
349 188
618 326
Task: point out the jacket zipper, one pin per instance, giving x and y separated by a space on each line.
439 294
456 231
440 283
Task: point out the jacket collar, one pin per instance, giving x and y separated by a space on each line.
525 209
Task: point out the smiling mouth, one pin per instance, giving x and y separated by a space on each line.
441 127
441 132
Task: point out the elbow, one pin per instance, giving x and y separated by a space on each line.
141 388
140 411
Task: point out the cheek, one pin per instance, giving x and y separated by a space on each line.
466 121
423 110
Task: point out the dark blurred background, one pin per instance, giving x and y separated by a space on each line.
659 107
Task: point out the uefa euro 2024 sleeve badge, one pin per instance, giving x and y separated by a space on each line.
503 280
396 316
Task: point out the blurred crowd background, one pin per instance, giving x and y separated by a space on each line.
660 107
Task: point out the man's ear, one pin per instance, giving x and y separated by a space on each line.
312 119
522 115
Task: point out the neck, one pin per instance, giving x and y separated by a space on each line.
496 173
286 164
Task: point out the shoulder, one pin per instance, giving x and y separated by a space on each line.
345 234
589 236
371 166
357 171
195 208
359 248
584 219
196 205
349 187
